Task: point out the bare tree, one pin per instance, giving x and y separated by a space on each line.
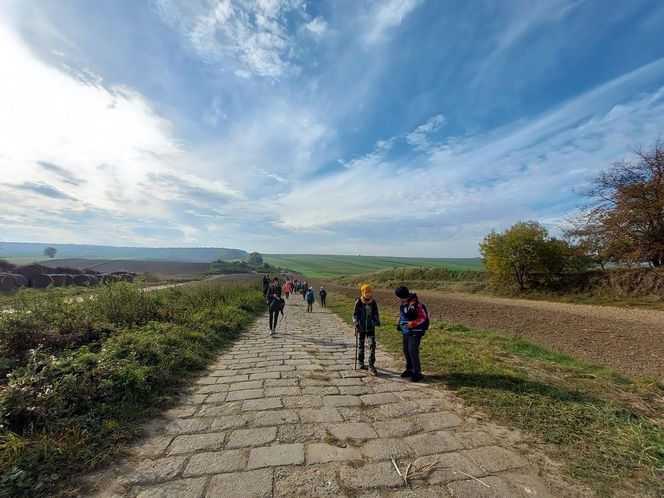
624 222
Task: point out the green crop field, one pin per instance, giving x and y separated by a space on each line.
322 266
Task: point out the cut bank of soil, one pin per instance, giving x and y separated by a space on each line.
627 340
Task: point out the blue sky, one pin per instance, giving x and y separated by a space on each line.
392 127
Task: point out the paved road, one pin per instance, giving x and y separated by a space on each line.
287 415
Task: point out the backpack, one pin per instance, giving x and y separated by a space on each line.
425 324
310 297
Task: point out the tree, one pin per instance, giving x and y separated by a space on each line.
255 258
525 251
624 221
516 252
50 252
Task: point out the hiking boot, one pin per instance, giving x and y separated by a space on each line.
372 370
406 373
363 366
416 377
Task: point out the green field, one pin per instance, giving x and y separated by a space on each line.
322 266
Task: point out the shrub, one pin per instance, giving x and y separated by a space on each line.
66 407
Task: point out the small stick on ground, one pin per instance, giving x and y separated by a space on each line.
474 478
399 472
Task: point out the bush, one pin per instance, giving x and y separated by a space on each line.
68 405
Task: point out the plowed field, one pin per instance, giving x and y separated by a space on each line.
629 340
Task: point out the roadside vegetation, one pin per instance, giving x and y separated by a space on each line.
334 266
606 428
78 376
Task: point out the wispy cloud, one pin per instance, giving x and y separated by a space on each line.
253 35
419 137
387 15
41 189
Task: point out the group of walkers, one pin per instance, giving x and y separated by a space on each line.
272 291
413 320
413 323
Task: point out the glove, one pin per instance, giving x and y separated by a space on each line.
399 327
377 323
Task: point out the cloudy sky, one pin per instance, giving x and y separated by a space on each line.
391 127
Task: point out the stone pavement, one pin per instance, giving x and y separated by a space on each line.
287 415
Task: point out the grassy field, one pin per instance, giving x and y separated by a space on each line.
606 428
326 266
77 378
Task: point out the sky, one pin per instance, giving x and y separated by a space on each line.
387 127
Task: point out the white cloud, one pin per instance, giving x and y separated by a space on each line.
318 26
461 189
253 35
386 15
81 148
419 137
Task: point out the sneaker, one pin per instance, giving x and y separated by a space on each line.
416 377
363 366
406 373
372 370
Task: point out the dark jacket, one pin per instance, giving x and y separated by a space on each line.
366 316
413 316
273 292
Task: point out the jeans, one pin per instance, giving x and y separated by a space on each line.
371 339
411 351
274 318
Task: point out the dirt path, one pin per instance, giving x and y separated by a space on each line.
628 340
288 416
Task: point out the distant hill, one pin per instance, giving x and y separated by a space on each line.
26 250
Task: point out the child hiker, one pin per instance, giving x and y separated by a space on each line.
310 300
366 319
322 293
413 323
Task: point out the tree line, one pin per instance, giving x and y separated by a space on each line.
621 224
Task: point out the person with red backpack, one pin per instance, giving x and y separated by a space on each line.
413 323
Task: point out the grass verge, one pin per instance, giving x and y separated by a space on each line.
78 377
606 428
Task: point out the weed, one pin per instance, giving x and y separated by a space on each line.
82 374
607 428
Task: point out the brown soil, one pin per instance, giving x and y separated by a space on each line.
629 340
111 265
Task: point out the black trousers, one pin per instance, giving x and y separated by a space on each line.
274 318
370 337
411 351
322 301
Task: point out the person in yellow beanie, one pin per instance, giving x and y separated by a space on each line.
366 319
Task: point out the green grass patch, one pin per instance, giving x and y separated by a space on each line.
606 428
326 266
78 377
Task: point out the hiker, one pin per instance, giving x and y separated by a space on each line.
310 299
274 305
366 319
413 323
266 284
322 293
305 288
288 288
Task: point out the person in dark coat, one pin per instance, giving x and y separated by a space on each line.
274 304
366 319
413 323
322 294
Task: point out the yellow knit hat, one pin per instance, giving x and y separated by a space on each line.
366 288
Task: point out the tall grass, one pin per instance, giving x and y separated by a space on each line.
81 374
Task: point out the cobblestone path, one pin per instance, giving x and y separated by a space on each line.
287 415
